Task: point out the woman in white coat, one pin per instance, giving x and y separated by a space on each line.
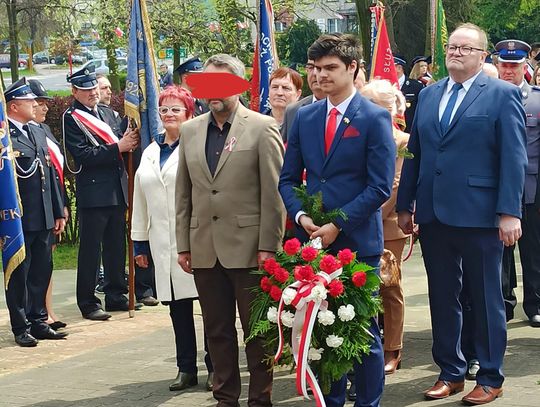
153 232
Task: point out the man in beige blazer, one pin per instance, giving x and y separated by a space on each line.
229 219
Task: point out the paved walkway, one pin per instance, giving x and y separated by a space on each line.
127 362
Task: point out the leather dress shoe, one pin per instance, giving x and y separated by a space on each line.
48 333
442 389
122 307
97 315
183 381
535 321
210 381
351 392
26 340
392 361
56 325
472 368
482 395
149 301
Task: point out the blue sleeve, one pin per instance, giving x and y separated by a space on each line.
141 248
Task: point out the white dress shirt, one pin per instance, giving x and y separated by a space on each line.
461 95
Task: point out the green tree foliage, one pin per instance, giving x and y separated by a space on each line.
293 44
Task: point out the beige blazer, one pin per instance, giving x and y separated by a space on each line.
391 230
237 212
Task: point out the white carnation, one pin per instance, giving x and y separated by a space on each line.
288 295
315 354
271 315
287 319
334 341
326 317
318 293
346 312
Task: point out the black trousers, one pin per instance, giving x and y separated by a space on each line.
25 295
181 312
145 283
509 281
101 228
529 253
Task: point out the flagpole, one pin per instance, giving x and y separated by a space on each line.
131 259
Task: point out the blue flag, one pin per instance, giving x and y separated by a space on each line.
142 85
266 57
11 233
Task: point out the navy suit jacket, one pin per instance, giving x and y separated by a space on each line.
356 175
474 172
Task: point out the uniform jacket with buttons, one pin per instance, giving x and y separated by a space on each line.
237 212
61 187
102 180
410 89
41 199
474 172
531 103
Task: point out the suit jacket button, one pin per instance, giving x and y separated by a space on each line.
214 192
323 180
215 218
438 172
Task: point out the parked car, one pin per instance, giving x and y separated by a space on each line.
41 57
5 61
62 59
102 65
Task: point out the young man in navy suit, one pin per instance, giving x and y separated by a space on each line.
346 145
467 177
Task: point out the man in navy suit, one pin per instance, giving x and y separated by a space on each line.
467 177
345 143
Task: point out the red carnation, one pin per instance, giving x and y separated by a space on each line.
271 265
281 275
304 273
292 246
329 264
309 253
266 284
275 293
359 279
345 256
335 288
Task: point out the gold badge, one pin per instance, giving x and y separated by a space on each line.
16 153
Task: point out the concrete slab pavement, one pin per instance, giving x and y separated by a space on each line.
130 362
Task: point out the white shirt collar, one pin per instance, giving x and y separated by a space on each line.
401 81
466 85
342 107
19 125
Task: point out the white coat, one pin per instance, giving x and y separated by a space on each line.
154 221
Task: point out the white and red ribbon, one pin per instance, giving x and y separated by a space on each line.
57 159
96 126
302 329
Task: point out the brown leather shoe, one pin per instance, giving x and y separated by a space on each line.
482 395
392 361
442 389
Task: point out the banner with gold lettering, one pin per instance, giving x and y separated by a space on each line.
11 233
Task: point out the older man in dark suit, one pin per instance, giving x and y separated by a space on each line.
467 177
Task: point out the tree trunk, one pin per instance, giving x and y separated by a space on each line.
390 24
364 27
13 40
176 63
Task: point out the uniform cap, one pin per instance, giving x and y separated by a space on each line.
19 91
513 51
84 78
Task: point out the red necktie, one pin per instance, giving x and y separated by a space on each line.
330 129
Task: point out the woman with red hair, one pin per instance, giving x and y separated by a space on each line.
153 232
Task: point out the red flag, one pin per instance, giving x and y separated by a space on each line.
382 62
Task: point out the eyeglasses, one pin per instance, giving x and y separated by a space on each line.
174 109
465 50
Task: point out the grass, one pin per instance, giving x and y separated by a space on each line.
22 72
65 256
61 92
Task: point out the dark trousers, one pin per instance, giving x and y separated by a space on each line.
25 296
220 291
451 255
368 375
105 229
509 281
467 330
181 312
529 253
145 284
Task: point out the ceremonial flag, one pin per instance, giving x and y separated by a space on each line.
439 38
142 84
382 60
11 233
265 59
